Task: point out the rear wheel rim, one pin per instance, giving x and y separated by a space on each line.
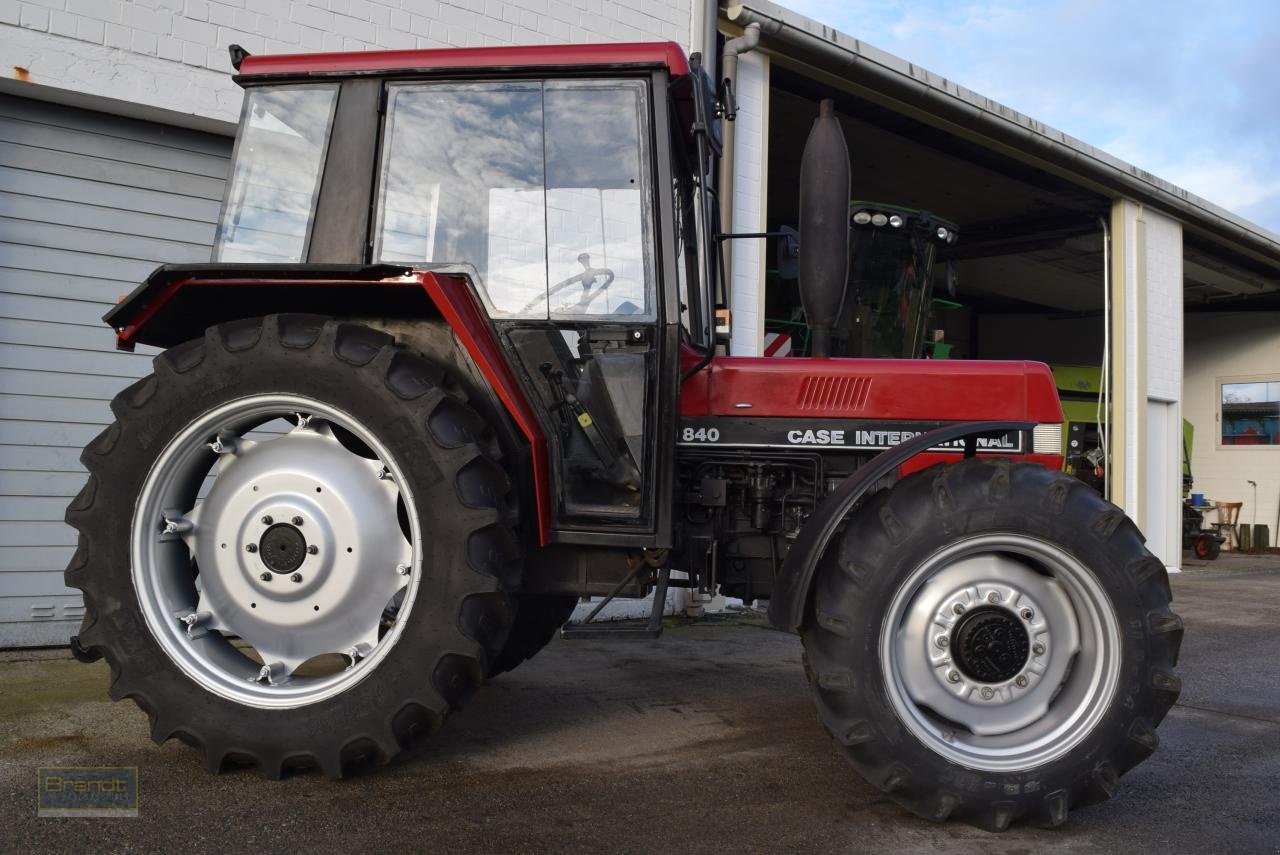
289 575
1031 684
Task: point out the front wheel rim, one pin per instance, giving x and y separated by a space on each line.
1040 675
288 576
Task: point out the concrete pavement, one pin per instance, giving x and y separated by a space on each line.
705 741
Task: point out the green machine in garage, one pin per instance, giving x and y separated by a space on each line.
1083 451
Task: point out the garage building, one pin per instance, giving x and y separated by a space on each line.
115 129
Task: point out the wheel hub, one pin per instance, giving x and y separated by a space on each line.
961 655
999 651
282 548
297 546
990 645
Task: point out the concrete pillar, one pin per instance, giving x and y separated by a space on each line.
751 153
1146 374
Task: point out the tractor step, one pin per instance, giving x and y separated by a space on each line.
651 629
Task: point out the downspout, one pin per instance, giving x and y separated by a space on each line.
744 43
706 26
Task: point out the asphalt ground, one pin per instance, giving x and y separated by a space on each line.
704 741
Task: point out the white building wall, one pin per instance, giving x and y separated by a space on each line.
749 152
171 55
1222 345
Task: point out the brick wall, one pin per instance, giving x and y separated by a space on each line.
172 54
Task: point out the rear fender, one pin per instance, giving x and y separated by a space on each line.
791 593
178 302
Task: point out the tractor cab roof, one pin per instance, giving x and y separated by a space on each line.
611 56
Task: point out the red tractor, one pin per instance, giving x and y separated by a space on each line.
454 367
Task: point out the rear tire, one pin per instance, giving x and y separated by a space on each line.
924 604
428 654
537 619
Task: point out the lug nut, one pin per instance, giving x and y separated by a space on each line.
988 693
953 676
297 577
958 608
942 641
1027 614
993 598
1037 649
266 577
251 547
312 549
1021 681
267 520
297 520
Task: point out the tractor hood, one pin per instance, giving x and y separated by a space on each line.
882 389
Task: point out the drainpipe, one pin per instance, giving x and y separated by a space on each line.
706 25
724 185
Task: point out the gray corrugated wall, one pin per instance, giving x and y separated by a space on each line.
89 205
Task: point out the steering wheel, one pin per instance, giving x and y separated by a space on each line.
587 278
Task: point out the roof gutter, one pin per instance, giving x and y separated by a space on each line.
835 53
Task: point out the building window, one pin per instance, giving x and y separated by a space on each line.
1250 410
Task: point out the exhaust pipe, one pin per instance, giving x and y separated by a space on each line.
824 226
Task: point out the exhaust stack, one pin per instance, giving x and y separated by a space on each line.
824 226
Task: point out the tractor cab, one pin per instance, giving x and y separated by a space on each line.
891 263
552 188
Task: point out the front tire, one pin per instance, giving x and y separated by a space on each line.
336 587
992 642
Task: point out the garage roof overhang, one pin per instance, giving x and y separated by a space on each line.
886 78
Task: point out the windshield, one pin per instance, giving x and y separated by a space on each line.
890 284
279 156
542 187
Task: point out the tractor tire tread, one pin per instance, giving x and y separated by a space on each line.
114 630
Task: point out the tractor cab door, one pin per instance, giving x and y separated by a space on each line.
548 192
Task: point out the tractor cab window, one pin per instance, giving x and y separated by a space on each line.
272 193
541 187
543 191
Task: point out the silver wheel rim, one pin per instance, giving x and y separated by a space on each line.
274 570
1057 695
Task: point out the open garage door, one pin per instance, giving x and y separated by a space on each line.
89 205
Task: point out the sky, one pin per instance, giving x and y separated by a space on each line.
1185 90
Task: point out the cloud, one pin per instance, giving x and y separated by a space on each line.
1185 90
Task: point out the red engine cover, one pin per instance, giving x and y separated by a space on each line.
891 389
